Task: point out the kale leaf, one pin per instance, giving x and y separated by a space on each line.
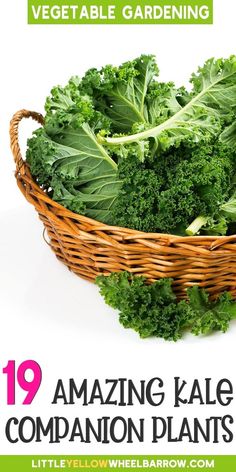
153 310
166 194
212 104
126 149
120 92
78 171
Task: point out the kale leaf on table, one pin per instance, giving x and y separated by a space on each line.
153 309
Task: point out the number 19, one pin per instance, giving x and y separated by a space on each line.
31 386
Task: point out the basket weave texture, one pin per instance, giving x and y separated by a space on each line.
90 248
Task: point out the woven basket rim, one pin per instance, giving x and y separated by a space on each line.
22 169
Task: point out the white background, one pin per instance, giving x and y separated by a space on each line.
49 314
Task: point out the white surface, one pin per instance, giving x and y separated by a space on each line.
49 314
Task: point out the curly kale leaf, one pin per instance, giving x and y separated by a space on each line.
163 101
211 316
228 209
165 194
120 92
77 172
169 175
68 107
137 203
198 184
148 309
228 136
153 310
212 103
223 223
40 156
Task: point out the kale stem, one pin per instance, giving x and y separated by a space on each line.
173 121
196 225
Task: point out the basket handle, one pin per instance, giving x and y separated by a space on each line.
14 134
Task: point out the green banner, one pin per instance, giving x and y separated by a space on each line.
107 463
120 12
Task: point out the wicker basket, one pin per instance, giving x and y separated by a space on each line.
90 248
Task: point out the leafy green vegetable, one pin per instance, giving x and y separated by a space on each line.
210 316
228 136
212 101
68 107
220 220
120 92
123 148
80 173
166 194
138 200
228 209
153 310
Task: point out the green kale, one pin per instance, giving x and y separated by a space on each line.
138 200
77 172
165 194
120 92
228 136
40 155
218 221
210 107
123 148
210 315
153 310
68 107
